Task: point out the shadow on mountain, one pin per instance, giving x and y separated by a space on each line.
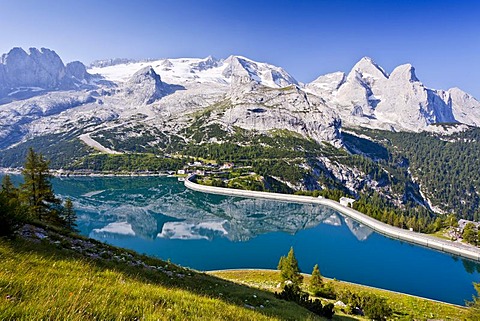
21 95
172 88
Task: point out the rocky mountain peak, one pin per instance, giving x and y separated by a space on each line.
145 74
77 70
367 68
465 107
243 71
207 63
236 69
145 86
23 74
42 68
404 72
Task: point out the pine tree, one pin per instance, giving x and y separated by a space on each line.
36 191
470 234
451 220
11 213
7 188
474 306
69 215
9 191
289 270
316 281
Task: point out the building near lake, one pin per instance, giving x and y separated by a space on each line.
347 201
462 223
227 166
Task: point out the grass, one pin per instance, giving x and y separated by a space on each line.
46 280
405 307
68 277
442 234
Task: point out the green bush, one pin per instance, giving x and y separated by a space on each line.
292 292
373 306
10 216
325 291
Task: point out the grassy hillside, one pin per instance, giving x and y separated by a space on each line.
59 277
47 274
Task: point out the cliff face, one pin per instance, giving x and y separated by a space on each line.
38 71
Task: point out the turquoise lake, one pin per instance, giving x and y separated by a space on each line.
160 217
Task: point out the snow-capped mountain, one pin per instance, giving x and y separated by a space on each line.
235 69
370 97
40 95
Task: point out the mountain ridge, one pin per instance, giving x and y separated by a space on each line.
298 135
172 91
355 93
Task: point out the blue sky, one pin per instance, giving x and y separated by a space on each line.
307 38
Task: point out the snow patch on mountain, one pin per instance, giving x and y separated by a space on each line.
208 70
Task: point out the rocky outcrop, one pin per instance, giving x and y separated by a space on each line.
77 71
370 97
290 108
145 87
466 109
243 71
38 70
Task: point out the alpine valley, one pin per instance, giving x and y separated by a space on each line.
382 137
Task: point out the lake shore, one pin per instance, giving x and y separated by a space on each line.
63 173
459 249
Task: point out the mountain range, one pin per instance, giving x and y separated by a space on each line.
40 95
163 106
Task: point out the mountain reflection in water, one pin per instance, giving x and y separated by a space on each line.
164 211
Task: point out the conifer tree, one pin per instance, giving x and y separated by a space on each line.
289 270
36 191
474 306
8 189
69 215
451 220
470 234
10 209
316 281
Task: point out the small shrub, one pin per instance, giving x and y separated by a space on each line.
325 291
377 308
328 310
292 292
370 305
